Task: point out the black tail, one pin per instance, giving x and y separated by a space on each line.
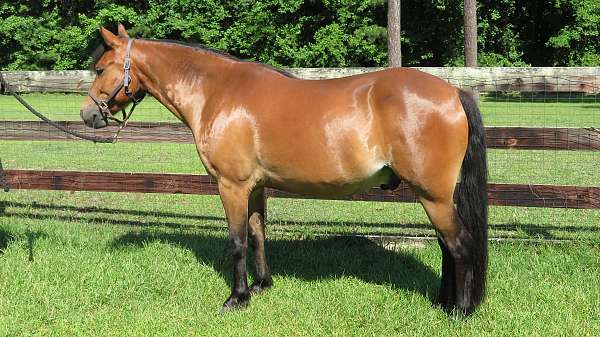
472 199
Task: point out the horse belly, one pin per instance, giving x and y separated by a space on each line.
339 169
334 189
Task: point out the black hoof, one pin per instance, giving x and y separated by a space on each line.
236 302
260 286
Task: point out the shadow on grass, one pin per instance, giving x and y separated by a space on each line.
101 220
316 227
31 238
330 227
310 259
95 209
5 239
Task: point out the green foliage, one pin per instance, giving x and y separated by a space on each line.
579 41
54 34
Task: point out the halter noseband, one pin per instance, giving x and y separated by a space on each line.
103 104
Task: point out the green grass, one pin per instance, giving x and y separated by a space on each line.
541 113
547 112
120 157
128 264
120 264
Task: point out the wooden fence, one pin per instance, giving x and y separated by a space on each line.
533 79
580 80
499 194
518 138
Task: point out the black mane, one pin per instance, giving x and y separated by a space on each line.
102 48
204 48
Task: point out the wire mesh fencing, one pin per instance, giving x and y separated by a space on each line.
543 127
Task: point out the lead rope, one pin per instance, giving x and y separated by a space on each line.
102 104
5 88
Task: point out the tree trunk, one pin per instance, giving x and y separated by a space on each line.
470 27
393 28
470 17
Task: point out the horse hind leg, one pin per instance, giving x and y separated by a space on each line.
459 290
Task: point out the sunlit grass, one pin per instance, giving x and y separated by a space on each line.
128 264
104 264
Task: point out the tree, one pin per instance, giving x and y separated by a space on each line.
470 23
470 19
393 28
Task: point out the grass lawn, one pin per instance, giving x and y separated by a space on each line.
116 264
128 264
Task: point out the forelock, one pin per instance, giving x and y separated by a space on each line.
97 54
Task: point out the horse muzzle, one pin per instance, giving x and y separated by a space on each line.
92 117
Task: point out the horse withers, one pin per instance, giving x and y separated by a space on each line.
255 126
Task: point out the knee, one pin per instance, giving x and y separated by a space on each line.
239 246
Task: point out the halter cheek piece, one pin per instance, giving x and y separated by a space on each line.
103 104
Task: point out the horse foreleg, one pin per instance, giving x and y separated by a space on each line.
235 203
256 209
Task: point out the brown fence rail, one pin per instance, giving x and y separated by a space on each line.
520 138
498 194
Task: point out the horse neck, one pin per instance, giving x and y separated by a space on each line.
180 77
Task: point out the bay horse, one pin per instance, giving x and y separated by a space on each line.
255 126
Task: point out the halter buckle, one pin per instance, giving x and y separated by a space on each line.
103 105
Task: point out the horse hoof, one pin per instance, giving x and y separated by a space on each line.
260 286
235 302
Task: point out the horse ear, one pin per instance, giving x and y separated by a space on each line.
111 40
122 31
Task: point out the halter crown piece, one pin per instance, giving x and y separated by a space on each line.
103 104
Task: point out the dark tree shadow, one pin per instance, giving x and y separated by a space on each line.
310 259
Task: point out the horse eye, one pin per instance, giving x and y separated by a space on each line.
99 71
